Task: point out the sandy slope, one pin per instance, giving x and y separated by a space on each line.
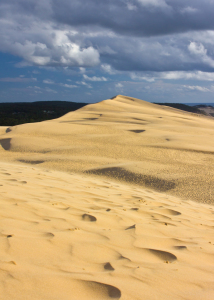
108 227
70 237
153 146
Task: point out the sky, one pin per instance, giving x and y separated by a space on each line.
91 50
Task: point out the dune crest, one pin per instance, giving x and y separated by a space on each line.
98 204
126 139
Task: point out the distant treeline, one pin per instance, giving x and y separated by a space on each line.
24 112
28 112
184 107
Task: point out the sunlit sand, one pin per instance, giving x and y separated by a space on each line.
113 201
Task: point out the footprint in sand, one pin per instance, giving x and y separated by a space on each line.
108 267
170 212
137 131
102 290
11 179
180 247
163 255
89 218
49 234
131 227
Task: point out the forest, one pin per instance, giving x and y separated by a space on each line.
27 112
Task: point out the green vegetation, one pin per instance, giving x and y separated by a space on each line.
19 113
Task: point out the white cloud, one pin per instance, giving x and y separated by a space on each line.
50 90
175 75
118 85
106 50
196 87
84 83
48 81
39 90
199 50
189 10
35 72
43 45
94 78
82 70
34 87
131 6
70 86
107 68
155 3
17 79
138 77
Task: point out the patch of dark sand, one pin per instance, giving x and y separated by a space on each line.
122 174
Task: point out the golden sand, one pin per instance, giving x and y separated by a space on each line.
98 204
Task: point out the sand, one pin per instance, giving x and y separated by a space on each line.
113 201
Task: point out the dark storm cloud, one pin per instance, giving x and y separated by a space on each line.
134 17
139 17
126 35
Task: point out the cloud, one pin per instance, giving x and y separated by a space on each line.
37 90
197 75
119 85
84 83
35 72
134 17
114 36
107 68
94 78
199 51
41 44
70 86
50 90
189 10
175 75
17 79
198 88
155 3
139 77
82 70
48 81
131 6
34 87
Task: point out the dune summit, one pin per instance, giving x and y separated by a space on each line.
127 139
113 201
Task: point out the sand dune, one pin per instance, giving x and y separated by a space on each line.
99 205
153 146
72 237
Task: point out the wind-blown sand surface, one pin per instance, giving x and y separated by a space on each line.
99 205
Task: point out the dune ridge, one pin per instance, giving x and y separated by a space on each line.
141 138
113 201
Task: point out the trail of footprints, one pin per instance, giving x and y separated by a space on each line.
106 233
